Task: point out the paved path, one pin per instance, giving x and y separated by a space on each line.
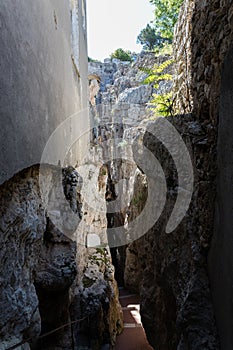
133 336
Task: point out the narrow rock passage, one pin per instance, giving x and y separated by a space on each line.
133 336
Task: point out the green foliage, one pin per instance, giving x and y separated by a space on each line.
103 171
92 60
163 104
122 55
87 282
149 39
100 257
156 74
165 50
166 15
137 200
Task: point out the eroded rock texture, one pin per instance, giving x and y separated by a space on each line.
176 302
208 88
23 223
170 270
95 294
56 272
48 280
96 301
175 288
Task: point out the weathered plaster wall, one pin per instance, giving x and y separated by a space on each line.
43 77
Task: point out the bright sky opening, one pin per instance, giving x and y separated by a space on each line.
113 24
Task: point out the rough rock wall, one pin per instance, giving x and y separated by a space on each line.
136 252
183 56
49 281
38 263
203 36
169 270
121 103
208 42
177 306
95 295
55 273
23 224
176 302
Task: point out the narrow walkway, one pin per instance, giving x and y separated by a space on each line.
133 336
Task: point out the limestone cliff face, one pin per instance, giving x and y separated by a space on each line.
95 294
170 270
185 278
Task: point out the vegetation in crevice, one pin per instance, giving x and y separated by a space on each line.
162 104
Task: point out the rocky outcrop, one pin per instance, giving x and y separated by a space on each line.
177 307
95 294
49 282
96 302
23 224
55 273
171 270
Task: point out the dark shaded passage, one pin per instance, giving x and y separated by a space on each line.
133 336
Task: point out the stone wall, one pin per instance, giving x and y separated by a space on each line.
202 43
176 302
203 36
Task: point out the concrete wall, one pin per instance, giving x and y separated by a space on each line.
43 77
